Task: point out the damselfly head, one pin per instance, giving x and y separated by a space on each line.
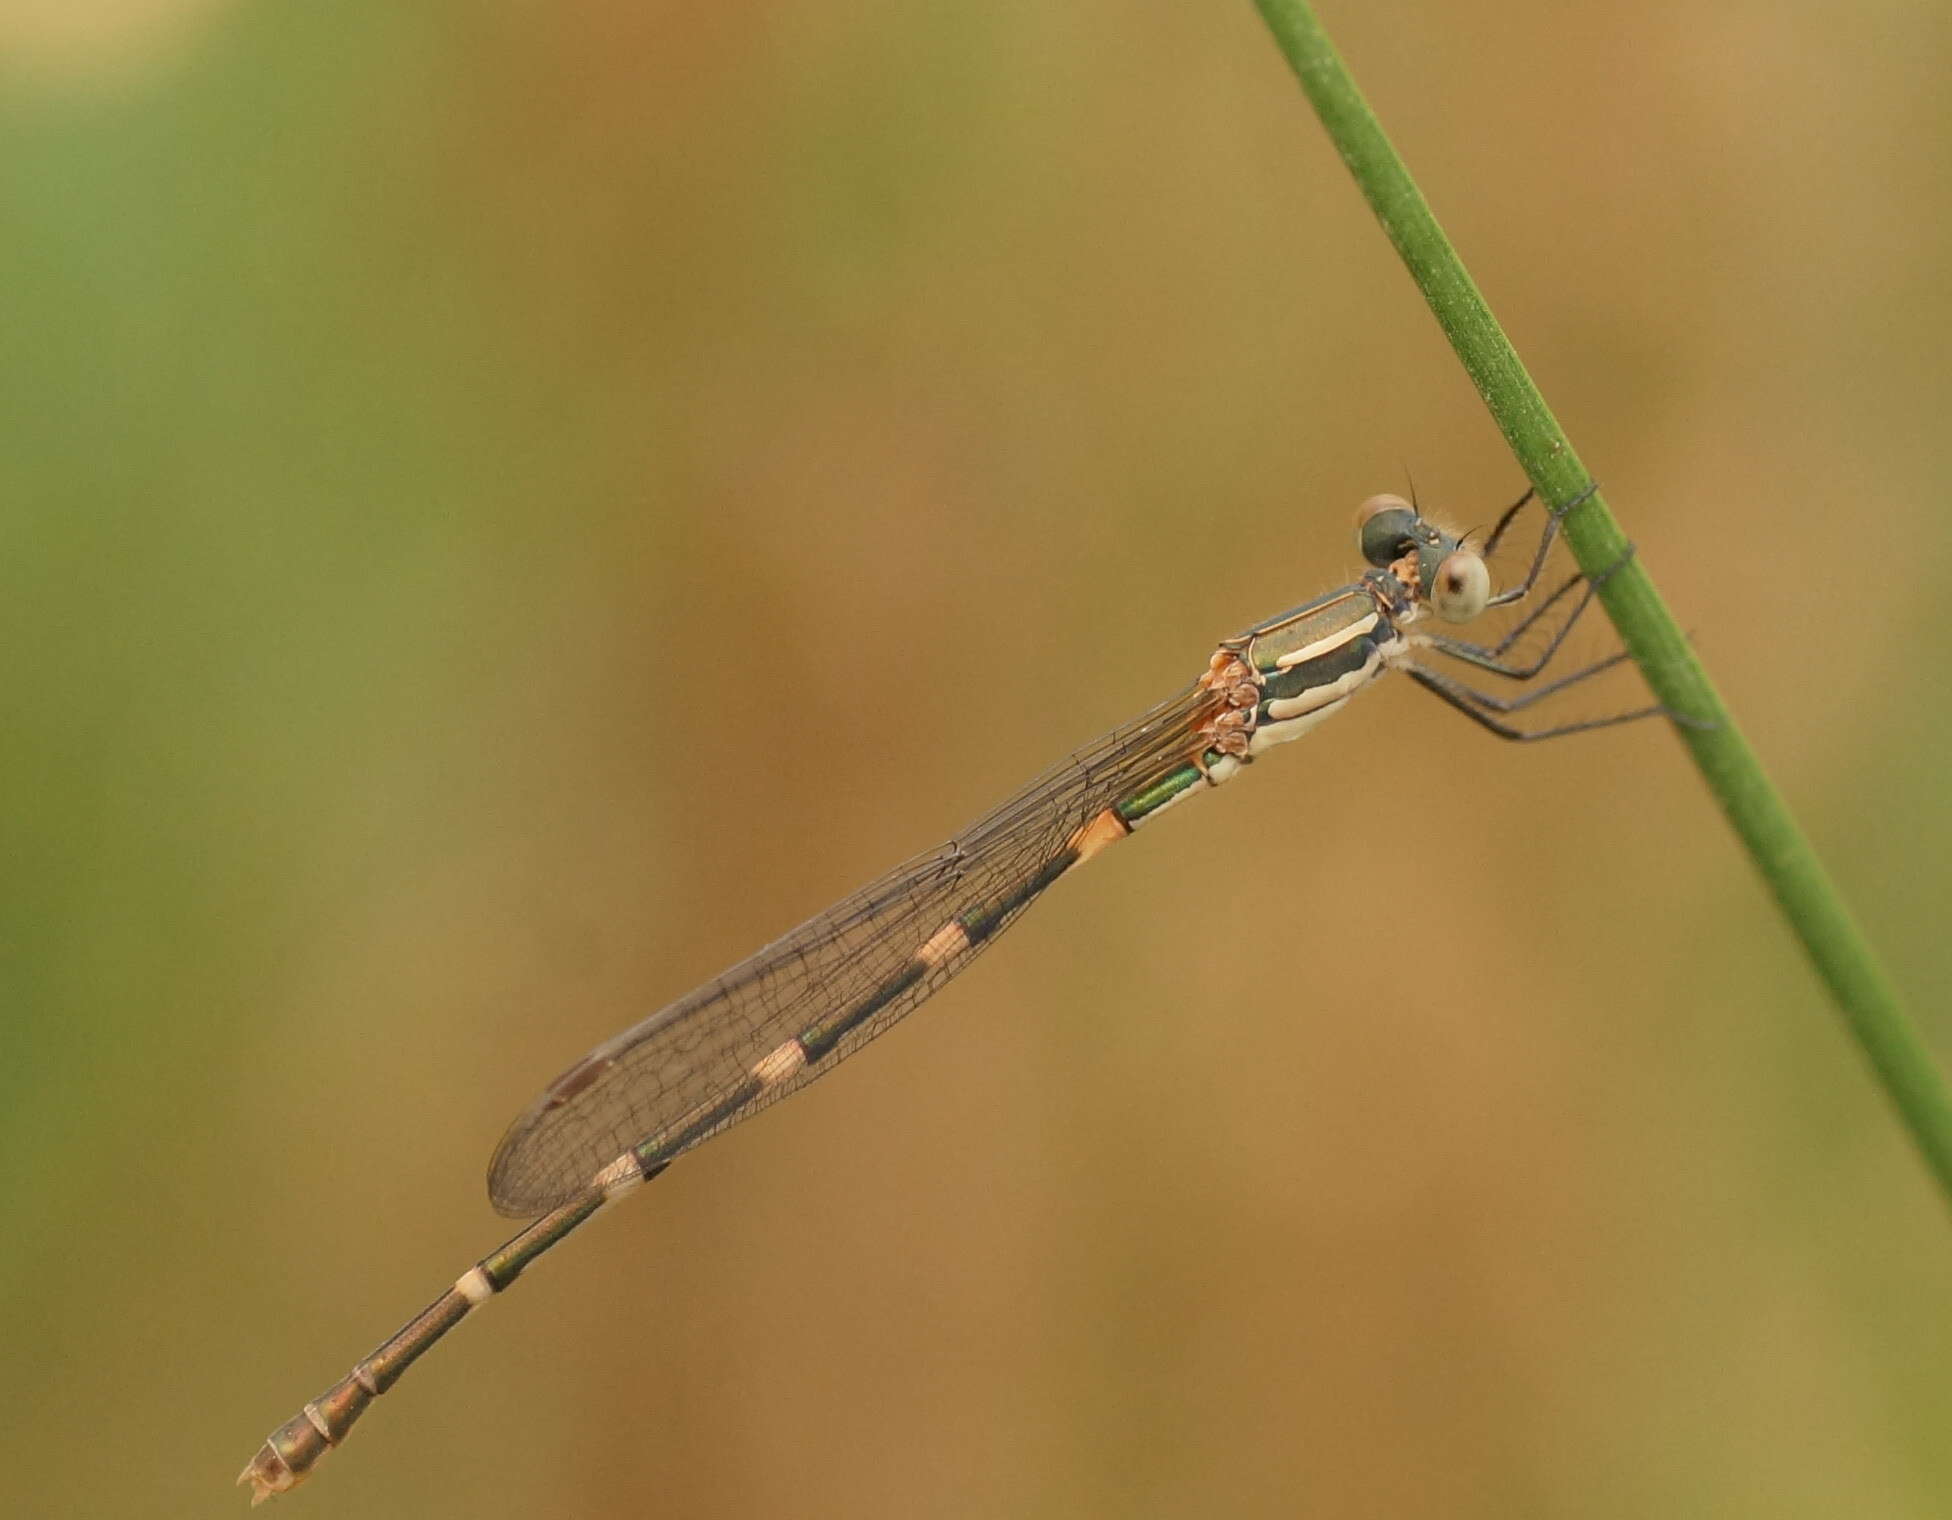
1433 564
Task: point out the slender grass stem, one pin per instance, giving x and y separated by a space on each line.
1898 1055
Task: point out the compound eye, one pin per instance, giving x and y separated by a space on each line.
1383 525
1461 587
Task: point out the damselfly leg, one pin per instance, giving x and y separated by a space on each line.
1489 711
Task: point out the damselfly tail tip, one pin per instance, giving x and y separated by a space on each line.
267 1474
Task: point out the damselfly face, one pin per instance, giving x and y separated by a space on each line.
1434 566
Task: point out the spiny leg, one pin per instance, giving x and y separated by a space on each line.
1491 657
1553 517
1505 519
1485 700
1473 704
1481 707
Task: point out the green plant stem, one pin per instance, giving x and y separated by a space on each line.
1809 900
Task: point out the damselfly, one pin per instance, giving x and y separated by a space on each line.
633 1105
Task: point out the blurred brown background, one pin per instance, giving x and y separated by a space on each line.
507 507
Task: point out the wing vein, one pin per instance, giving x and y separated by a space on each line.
697 1054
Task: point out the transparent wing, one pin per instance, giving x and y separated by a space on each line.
685 1067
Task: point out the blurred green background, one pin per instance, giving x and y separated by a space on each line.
507 507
